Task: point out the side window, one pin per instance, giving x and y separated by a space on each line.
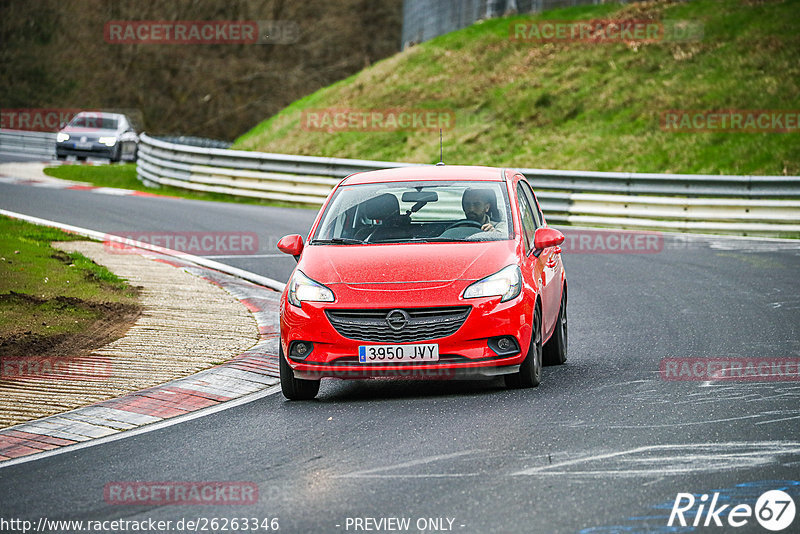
537 214
526 215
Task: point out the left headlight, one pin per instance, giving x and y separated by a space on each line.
304 289
506 283
61 137
108 141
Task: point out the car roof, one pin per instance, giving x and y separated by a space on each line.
102 114
427 173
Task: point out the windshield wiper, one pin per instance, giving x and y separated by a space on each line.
337 241
438 240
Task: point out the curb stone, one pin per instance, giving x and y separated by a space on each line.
253 370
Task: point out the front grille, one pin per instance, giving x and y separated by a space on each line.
352 361
423 324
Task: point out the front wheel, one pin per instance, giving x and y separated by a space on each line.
530 372
555 350
295 388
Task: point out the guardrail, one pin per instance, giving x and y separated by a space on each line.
30 144
684 202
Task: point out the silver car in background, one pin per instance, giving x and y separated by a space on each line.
98 134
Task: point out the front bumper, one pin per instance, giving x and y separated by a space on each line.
465 353
68 148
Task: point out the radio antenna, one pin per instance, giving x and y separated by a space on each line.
441 160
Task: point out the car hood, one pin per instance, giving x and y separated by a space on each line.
357 265
84 130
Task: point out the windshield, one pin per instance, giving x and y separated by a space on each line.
408 212
101 123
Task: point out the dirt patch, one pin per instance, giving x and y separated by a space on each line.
113 321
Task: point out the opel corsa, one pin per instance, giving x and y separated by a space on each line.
425 272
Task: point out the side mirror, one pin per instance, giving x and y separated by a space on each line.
292 245
547 237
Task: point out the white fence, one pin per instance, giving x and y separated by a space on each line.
753 205
29 144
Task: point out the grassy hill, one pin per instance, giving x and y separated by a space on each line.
575 105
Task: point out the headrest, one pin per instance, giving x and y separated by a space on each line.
382 207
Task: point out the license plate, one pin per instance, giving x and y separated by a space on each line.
398 353
83 145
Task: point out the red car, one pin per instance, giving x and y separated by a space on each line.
430 271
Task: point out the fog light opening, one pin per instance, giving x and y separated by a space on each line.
504 345
299 350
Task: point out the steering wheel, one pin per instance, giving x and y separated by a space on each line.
467 222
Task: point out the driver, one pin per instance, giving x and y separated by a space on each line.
479 206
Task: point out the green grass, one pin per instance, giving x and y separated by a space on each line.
47 292
123 176
575 105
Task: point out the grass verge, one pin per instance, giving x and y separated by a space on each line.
574 105
48 296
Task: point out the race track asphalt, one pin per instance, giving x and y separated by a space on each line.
605 444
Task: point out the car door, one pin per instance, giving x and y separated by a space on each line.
549 261
532 268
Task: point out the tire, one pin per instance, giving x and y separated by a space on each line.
555 350
295 388
117 156
530 372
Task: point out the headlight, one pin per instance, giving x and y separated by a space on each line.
61 137
506 283
304 289
108 141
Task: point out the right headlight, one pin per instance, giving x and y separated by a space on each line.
506 283
303 289
61 137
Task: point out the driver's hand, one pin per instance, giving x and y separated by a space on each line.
488 227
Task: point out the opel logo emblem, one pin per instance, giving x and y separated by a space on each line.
397 319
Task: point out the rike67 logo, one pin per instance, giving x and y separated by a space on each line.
774 510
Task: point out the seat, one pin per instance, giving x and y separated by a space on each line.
386 209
